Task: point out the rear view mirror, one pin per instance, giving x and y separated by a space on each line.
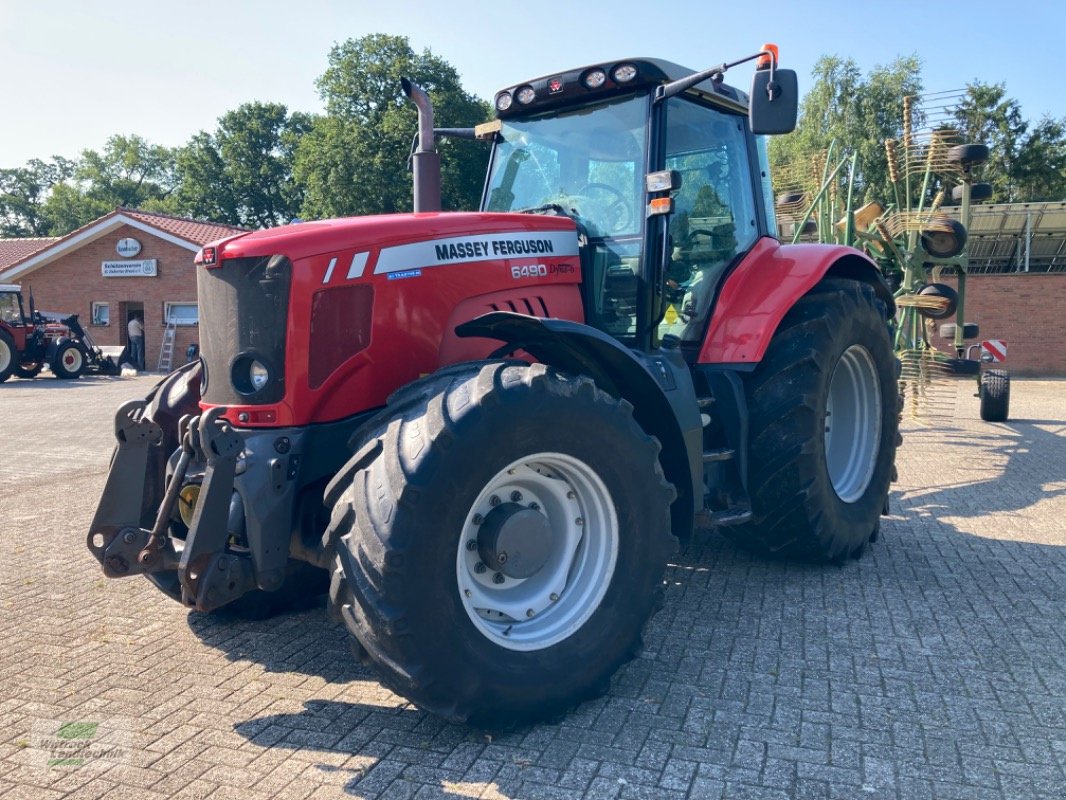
773 105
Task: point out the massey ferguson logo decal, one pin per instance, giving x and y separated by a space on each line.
460 249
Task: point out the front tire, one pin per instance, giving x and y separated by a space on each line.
491 459
823 428
69 361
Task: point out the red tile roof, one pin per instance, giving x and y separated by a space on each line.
12 250
194 231
191 230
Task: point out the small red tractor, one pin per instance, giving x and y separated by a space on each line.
489 430
29 341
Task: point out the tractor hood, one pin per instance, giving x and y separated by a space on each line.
308 239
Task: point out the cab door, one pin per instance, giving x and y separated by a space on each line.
715 220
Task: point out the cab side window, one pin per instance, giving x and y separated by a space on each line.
714 217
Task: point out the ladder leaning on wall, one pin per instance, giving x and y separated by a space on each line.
166 352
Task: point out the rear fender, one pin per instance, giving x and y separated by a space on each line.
766 284
658 386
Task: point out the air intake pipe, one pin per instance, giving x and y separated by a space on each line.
426 159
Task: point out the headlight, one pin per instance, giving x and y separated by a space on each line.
594 79
624 73
525 95
503 101
251 373
258 375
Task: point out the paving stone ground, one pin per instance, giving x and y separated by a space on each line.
933 667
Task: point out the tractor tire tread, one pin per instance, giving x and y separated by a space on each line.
787 477
367 588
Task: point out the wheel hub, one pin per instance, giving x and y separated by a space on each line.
515 540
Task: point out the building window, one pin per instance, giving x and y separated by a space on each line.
181 314
101 314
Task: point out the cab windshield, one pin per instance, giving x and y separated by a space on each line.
589 164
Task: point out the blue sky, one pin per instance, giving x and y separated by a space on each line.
74 73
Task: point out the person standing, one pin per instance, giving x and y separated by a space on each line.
135 329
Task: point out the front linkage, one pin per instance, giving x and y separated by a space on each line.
209 576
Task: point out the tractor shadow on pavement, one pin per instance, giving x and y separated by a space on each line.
940 650
304 642
1035 449
48 381
744 650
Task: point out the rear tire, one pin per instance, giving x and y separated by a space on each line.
995 395
69 361
458 640
823 428
8 355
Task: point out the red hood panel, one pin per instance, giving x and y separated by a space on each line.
307 239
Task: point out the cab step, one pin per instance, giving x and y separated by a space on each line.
737 515
719 454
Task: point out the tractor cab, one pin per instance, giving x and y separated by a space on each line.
12 311
658 167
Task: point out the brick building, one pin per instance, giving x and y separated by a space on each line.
127 262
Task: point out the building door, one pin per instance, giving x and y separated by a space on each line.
127 310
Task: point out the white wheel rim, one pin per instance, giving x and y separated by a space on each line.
5 355
72 359
552 604
853 423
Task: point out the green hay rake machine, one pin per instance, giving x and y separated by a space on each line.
916 240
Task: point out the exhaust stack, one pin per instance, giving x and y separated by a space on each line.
426 159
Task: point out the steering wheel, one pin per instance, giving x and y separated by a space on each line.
616 210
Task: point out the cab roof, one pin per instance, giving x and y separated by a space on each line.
567 87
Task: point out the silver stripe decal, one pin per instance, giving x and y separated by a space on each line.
358 265
477 247
329 270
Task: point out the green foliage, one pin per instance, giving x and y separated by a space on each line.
1025 164
354 159
262 165
858 113
242 174
24 192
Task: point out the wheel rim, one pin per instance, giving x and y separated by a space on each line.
541 610
853 423
72 359
5 355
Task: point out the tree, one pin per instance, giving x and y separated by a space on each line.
1025 164
129 171
354 159
1040 168
857 114
242 174
24 192
986 115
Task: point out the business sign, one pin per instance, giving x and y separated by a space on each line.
145 268
128 247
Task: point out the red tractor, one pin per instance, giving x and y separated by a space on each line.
490 429
29 341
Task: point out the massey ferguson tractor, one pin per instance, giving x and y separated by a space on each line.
489 430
